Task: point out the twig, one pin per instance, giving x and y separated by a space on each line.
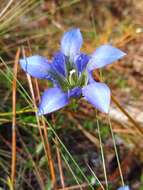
13 164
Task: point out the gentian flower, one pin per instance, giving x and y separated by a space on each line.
70 71
124 188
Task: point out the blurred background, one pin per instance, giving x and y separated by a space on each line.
73 137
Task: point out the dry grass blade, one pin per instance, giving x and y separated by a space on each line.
37 119
6 8
47 144
10 19
60 164
13 164
101 186
35 108
116 152
102 153
44 137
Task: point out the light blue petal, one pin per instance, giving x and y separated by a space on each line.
98 94
104 55
36 66
124 188
59 63
81 61
52 99
71 42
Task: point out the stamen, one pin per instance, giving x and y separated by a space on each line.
70 75
72 71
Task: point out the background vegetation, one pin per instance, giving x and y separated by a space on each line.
70 149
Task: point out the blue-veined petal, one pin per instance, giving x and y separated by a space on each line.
104 55
81 61
75 92
37 66
59 62
98 94
71 42
52 99
124 188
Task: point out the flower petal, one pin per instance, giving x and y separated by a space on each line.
90 77
75 92
104 55
71 42
36 66
52 100
98 94
124 188
81 61
59 63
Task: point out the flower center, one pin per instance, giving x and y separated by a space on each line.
72 79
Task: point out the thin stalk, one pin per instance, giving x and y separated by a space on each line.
17 112
102 153
13 164
49 155
96 177
69 167
60 165
37 119
116 152
72 172
70 156
48 151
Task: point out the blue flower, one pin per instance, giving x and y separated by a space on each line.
70 71
124 188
